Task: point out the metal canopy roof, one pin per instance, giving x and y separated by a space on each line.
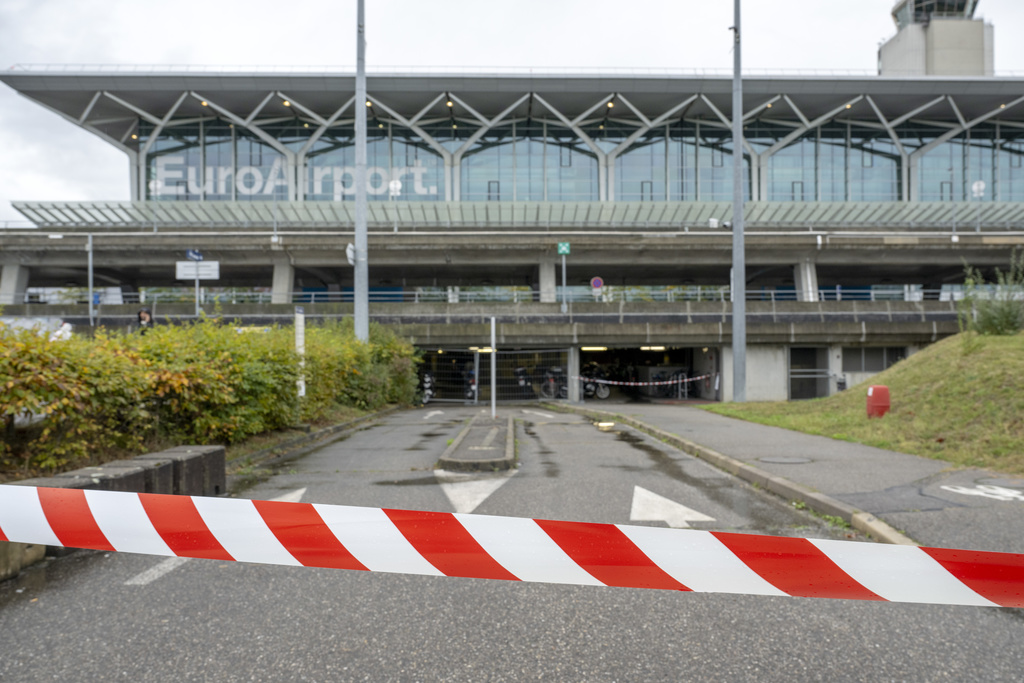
109 102
582 216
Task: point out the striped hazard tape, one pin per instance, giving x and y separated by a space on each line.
678 380
507 548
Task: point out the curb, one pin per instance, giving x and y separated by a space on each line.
818 502
450 463
296 447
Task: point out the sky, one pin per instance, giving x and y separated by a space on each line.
45 158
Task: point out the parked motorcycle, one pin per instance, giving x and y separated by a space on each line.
524 383
591 387
554 383
469 383
426 388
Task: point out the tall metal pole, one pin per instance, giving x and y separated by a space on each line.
494 370
361 286
739 261
92 314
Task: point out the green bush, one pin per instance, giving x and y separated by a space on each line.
997 308
203 383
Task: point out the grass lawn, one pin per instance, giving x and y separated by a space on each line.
960 400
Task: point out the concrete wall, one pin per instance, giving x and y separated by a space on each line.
958 48
185 470
943 47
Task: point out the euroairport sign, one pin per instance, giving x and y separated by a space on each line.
174 177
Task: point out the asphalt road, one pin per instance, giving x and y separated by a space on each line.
91 617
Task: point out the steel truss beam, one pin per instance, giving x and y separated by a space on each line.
117 130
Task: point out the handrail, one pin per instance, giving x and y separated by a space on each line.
501 295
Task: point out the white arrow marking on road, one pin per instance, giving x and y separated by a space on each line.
172 563
432 413
650 507
534 412
467 490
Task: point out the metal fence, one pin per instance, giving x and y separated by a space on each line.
471 295
465 376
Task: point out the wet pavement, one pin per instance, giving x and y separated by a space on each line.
927 501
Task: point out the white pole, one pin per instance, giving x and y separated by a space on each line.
494 371
361 279
739 265
91 309
565 306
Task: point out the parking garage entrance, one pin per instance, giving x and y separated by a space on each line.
652 373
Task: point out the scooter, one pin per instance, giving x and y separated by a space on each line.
426 388
554 384
591 387
524 383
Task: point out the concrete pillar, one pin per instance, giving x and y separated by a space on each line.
548 286
835 368
13 283
805 277
284 281
572 373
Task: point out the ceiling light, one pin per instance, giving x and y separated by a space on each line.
593 348
611 104
652 348
769 105
204 103
380 125
450 103
369 103
849 106
134 136
287 103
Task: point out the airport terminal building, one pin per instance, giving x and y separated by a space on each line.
865 195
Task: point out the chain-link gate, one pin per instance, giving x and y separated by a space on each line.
465 376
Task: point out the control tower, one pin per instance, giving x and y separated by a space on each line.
937 38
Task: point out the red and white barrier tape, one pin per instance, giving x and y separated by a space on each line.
682 380
514 549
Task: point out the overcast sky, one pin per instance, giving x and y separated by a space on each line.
45 158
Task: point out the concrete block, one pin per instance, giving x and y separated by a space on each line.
159 472
188 471
65 482
112 477
15 556
214 460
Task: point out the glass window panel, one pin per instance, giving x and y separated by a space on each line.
174 163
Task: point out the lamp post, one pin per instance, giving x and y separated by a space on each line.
739 265
361 286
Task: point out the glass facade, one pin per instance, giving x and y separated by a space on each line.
544 161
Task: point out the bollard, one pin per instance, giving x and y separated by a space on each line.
878 400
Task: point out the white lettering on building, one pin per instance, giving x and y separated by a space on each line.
173 177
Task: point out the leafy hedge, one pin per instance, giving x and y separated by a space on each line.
201 383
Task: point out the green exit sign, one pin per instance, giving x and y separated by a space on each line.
563 247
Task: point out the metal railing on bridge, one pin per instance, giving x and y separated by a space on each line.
515 295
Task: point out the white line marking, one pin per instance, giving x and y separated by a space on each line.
650 507
172 563
534 412
467 490
154 573
432 413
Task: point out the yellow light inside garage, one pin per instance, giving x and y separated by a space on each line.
652 348
593 348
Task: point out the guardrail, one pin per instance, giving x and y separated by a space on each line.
455 295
